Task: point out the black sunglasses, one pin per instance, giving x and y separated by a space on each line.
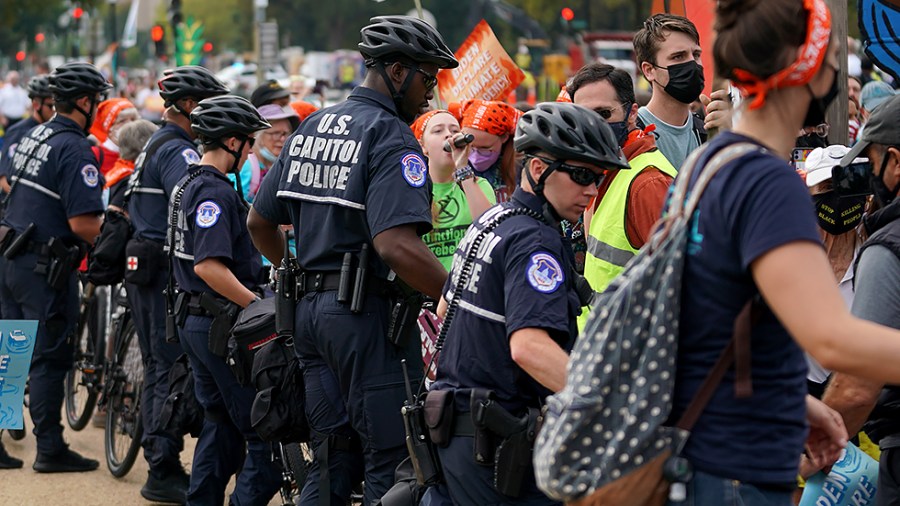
607 113
430 80
249 140
582 176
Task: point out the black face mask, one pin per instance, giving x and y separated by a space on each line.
817 106
838 215
883 194
685 81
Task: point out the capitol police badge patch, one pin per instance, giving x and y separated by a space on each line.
544 273
190 156
90 175
414 170
208 214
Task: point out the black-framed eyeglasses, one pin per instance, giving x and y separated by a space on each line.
582 176
820 130
429 80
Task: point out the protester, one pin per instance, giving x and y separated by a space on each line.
270 92
374 208
492 154
877 298
628 203
112 114
14 101
268 146
41 112
131 138
754 232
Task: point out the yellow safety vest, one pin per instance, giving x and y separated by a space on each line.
608 249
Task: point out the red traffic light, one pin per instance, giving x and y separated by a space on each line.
208 47
157 33
77 12
20 56
39 37
567 14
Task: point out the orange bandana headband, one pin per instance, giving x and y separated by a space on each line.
495 118
809 59
564 96
107 112
421 123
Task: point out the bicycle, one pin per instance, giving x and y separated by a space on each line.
84 381
121 393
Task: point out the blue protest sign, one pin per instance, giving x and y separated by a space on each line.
852 481
16 345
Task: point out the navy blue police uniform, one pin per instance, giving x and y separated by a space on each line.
10 140
212 223
60 180
349 173
152 183
521 278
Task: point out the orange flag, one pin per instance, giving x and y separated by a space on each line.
485 72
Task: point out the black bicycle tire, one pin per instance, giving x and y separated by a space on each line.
85 350
120 468
299 459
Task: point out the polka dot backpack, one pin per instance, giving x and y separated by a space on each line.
603 441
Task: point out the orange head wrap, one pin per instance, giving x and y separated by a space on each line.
421 123
809 59
107 112
495 118
303 109
564 96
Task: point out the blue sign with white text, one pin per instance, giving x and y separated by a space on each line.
16 345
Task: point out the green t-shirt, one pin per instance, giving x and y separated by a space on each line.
451 218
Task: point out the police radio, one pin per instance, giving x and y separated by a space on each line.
286 292
422 452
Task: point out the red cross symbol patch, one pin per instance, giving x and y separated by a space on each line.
132 263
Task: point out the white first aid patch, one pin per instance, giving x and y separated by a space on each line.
91 175
414 170
544 273
190 156
208 214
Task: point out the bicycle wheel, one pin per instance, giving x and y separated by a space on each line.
298 458
83 380
124 428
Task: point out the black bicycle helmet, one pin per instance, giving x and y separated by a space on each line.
39 87
406 36
77 79
189 81
226 116
569 132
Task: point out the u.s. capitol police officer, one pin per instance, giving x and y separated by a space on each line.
507 344
54 209
163 162
353 183
216 264
41 111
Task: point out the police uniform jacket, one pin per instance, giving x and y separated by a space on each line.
212 223
349 173
60 181
521 278
10 140
154 180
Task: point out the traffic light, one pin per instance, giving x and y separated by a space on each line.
208 47
77 12
39 37
158 36
175 17
567 14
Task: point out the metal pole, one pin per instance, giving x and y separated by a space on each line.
419 9
259 19
837 115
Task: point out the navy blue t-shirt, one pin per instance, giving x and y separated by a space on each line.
350 172
521 278
212 223
11 139
61 180
752 206
157 178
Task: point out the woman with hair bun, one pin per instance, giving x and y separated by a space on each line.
755 234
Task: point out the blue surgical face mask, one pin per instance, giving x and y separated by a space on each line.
267 155
483 160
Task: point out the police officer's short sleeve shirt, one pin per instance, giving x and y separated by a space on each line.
61 180
212 223
10 140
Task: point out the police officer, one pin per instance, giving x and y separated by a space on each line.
514 321
41 111
216 265
354 184
54 208
158 169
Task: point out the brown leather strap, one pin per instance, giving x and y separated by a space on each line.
737 352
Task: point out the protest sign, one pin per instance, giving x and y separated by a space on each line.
852 481
485 71
16 346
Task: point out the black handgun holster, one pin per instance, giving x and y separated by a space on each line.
224 315
512 461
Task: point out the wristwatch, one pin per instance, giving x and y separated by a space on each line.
463 173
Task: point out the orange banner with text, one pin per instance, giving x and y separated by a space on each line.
485 71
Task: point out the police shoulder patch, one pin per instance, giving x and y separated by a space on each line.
90 175
208 214
415 172
544 273
190 156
